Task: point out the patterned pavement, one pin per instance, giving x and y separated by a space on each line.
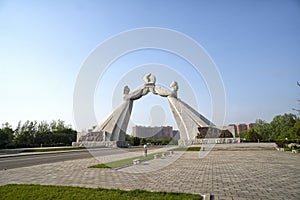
241 171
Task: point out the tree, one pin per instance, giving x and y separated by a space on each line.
252 136
165 140
143 141
25 134
294 132
281 124
296 128
243 134
43 135
64 136
129 139
6 136
136 141
263 129
32 134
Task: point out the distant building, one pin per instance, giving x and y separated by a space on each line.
242 127
251 125
156 132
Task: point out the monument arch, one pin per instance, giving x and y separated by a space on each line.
111 132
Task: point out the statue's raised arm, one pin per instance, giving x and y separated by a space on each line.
161 91
133 95
165 93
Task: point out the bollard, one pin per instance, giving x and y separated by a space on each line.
145 150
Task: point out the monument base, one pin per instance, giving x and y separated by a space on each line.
182 142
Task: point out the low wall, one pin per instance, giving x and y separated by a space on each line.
209 141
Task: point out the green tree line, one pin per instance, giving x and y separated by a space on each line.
282 127
34 134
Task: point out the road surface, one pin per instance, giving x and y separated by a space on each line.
42 158
30 159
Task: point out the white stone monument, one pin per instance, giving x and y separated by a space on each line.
111 132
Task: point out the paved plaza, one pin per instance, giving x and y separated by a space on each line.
232 171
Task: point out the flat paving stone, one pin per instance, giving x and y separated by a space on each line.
226 173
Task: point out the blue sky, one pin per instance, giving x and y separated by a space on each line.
43 44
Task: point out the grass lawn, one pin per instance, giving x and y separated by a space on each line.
187 149
124 162
53 149
128 161
39 192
